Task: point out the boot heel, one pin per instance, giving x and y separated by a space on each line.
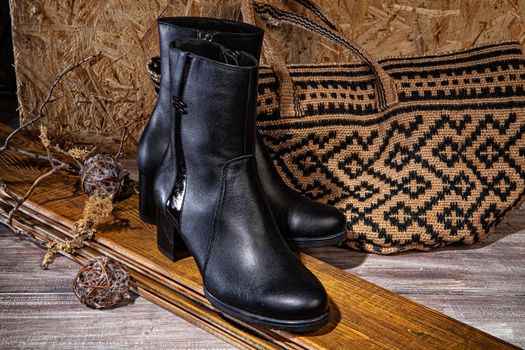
146 203
169 240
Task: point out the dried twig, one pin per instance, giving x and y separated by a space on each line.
20 200
22 233
46 101
67 166
96 209
3 187
124 135
56 164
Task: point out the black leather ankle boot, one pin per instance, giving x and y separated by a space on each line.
207 192
303 222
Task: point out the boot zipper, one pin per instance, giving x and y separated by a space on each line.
208 36
174 204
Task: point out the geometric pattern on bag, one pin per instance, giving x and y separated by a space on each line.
444 165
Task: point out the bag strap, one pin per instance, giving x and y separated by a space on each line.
288 103
385 86
315 9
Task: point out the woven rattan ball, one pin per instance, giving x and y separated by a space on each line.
101 283
104 176
154 72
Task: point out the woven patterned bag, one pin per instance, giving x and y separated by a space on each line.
419 152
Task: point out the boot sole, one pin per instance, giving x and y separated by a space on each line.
295 326
303 243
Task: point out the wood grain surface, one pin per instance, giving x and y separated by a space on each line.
364 315
483 287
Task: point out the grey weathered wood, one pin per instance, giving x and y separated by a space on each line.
39 310
482 285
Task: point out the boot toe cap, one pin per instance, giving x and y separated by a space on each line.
308 303
294 300
311 219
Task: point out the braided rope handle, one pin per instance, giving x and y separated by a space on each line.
385 86
315 9
288 103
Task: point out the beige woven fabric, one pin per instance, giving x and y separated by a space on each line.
443 165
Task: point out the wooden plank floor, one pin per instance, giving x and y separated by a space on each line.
482 285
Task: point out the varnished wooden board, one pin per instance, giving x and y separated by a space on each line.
160 292
363 314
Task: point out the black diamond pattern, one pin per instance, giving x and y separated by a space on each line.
462 186
400 216
503 186
352 166
447 151
444 165
364 191
415 185
453 218
399 157
489 152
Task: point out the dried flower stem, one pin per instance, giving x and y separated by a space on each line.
80 236
76 153
125 134
96 211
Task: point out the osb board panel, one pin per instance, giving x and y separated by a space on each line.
98 98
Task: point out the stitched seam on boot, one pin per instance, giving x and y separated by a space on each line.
218 210
246 111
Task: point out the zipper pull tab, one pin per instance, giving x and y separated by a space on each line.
208 36
234 56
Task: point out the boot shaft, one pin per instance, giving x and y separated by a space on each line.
237 36
214 94
212 122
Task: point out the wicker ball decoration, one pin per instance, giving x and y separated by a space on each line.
154 72
104 176
101 283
